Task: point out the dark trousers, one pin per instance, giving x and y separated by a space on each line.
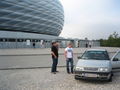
69 63
54 65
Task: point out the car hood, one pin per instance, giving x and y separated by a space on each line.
93 63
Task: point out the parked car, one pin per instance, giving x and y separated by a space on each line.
96 64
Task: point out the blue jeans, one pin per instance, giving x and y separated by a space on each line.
69 61
54 65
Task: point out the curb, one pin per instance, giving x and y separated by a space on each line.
40 54
35 54
28 68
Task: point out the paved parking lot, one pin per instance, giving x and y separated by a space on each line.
42 79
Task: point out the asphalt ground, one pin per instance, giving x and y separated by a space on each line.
24 69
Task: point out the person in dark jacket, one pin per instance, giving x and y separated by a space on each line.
33 44
54 53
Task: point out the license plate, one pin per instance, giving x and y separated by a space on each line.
90 75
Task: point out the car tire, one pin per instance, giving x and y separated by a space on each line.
76 78
110 79
112 74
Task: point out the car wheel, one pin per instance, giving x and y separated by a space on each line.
76 78
110 79
112 74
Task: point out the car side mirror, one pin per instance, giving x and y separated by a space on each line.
115 59
79 57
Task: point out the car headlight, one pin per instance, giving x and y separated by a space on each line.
103 69
79 69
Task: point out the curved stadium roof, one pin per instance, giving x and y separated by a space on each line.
34 16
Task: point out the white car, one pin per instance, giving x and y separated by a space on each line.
96 64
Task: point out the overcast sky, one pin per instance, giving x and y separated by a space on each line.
94 19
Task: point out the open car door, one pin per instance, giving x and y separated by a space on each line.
116 62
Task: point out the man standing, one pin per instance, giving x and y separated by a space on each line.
54 52
33 44
69 58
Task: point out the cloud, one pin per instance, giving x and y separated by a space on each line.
87 18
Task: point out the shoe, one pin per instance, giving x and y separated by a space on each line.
53 72
68 72
72 73
57 71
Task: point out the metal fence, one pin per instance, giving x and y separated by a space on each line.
46 44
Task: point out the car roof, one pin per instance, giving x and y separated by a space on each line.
96 50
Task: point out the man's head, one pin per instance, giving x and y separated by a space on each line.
70 45
57 44
54 44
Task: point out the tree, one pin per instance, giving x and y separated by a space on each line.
112 41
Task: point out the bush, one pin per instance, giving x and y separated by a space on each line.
112 41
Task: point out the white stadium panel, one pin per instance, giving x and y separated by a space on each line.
34 16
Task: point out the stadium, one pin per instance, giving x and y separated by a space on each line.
33 24
23 21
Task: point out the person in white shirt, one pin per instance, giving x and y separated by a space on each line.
69 58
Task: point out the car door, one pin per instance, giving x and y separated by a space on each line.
116 62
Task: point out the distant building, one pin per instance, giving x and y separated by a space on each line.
79 43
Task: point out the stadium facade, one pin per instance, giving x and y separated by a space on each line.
34 20
27 22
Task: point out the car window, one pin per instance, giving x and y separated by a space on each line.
117 57
96 55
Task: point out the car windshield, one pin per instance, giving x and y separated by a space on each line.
95 55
